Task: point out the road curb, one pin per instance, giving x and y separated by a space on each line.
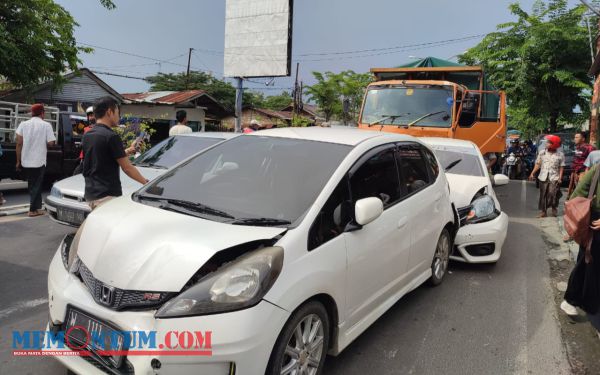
14 210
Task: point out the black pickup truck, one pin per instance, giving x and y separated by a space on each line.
63 157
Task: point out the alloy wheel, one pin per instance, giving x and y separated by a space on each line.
304 349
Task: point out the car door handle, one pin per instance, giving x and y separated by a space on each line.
402 223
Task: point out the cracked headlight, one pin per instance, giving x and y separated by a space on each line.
482 209
68 250
237 285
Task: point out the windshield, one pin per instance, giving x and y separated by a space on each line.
173 150
253 177
470 165
412 105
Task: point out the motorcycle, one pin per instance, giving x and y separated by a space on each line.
512 166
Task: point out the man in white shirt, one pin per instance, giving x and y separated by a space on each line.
181 127
33 138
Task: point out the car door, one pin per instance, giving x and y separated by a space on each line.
418 174
378 252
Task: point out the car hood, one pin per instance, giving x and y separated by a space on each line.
75 185
463 188
133 246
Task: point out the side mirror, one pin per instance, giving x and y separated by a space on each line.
500 179
368 209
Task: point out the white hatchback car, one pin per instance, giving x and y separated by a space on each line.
285 244
483 224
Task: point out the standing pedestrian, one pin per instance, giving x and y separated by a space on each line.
2 200
91 121
582 150
104 154
181 127
583 289
592 159
33 138
551 164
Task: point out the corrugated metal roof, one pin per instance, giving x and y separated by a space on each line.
164 97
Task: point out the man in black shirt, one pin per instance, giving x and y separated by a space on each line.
104 154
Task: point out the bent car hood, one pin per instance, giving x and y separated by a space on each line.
133 246
463 188
75 185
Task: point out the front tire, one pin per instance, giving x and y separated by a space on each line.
302 345
441 258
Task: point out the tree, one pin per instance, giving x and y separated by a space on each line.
37 42
541 60
277 102
222 91
331 89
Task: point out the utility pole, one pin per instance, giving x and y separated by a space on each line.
187 77
295 103
239 93
590 7
587 21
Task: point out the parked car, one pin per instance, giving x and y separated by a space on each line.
568 148
483 224
62 158
66 203
285 243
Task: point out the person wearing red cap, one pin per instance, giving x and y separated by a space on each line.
34 136
551 164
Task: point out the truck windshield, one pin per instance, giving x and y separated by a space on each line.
424 105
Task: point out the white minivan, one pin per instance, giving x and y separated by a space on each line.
284 244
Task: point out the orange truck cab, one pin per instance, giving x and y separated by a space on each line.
450 102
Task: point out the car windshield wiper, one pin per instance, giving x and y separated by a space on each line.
260 221
189 206
150 165
423 118
452 165
386 117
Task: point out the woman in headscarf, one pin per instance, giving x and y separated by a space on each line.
583 289
551 164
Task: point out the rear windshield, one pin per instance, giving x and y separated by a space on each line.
173 150
469 165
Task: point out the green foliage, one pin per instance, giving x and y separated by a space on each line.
277 102
222 91
331 89
300 121
541 60
132 128
37 42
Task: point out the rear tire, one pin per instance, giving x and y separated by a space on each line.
441 259
302 343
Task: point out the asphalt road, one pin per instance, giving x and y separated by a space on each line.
484 319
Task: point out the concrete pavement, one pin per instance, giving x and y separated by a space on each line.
484 319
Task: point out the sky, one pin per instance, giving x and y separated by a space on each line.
144 31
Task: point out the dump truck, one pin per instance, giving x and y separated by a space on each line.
436 98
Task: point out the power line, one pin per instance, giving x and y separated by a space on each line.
118 75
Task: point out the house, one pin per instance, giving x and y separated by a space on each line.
261 117
203 111
79 91
308 110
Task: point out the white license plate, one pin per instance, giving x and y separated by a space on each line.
70 216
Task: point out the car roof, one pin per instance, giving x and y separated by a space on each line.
466 146
347 136
221 135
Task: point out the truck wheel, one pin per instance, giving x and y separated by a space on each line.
302 345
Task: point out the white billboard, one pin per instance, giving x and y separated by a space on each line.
258 38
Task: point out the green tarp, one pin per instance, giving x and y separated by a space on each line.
430 62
